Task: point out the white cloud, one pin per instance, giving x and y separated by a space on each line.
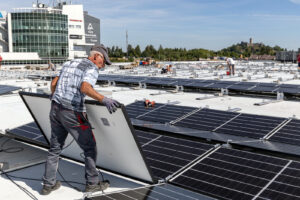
295 1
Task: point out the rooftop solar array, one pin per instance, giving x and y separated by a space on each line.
252 87
30 133
163 191
290 133
167 113
138 108
234 174
251 126
206 119
166 155
4 89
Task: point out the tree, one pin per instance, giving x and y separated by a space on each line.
137 51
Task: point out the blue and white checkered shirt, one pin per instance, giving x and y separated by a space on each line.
73 73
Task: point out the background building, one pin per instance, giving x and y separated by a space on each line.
41 34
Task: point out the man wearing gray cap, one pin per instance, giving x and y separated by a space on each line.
68 115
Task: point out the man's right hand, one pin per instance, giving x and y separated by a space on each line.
111 104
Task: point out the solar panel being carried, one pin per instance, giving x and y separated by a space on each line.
251 126
166 155
206 119
234 174
4 89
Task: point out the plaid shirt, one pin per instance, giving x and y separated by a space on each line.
73 73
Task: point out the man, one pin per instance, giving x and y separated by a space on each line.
0 61
76 80
298 59
51 66
230 63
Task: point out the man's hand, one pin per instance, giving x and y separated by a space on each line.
111 104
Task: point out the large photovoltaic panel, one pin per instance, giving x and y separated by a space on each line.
206 119
234 174
29 132
221 84
243 86
251 126
289 133
289 88
286 185
4 89
167 113
265 87
138 108
117 146
166 155
155 192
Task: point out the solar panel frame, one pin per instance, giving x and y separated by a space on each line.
167 155
231 174
138 108
206 119
289 133
251 126
161 191
29 133
167 113
5 89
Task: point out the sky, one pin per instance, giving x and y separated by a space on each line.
208 24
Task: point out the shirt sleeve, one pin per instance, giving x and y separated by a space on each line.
91 76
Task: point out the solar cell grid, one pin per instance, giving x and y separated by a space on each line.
242 86
290 133
286 185
222 84
166 155
252 126
138 108
265 87
231 174
167 113
29 132
4 89
164 191
206 119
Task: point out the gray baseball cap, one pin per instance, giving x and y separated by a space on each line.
103 50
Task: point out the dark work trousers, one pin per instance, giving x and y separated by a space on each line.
231 69
64 121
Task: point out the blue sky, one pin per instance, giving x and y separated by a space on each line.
209 24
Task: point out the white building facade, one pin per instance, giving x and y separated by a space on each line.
55 34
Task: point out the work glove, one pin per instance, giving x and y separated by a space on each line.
111 104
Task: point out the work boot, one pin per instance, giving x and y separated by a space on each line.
48 189
98 187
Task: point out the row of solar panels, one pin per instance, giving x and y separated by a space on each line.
5 89
238 124
214 171
205 84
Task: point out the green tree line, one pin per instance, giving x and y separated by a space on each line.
181 54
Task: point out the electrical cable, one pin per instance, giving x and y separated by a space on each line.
19 186
10 149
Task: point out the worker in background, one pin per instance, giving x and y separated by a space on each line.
68 115
0 61
165 69
298 59
230 63
51 66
